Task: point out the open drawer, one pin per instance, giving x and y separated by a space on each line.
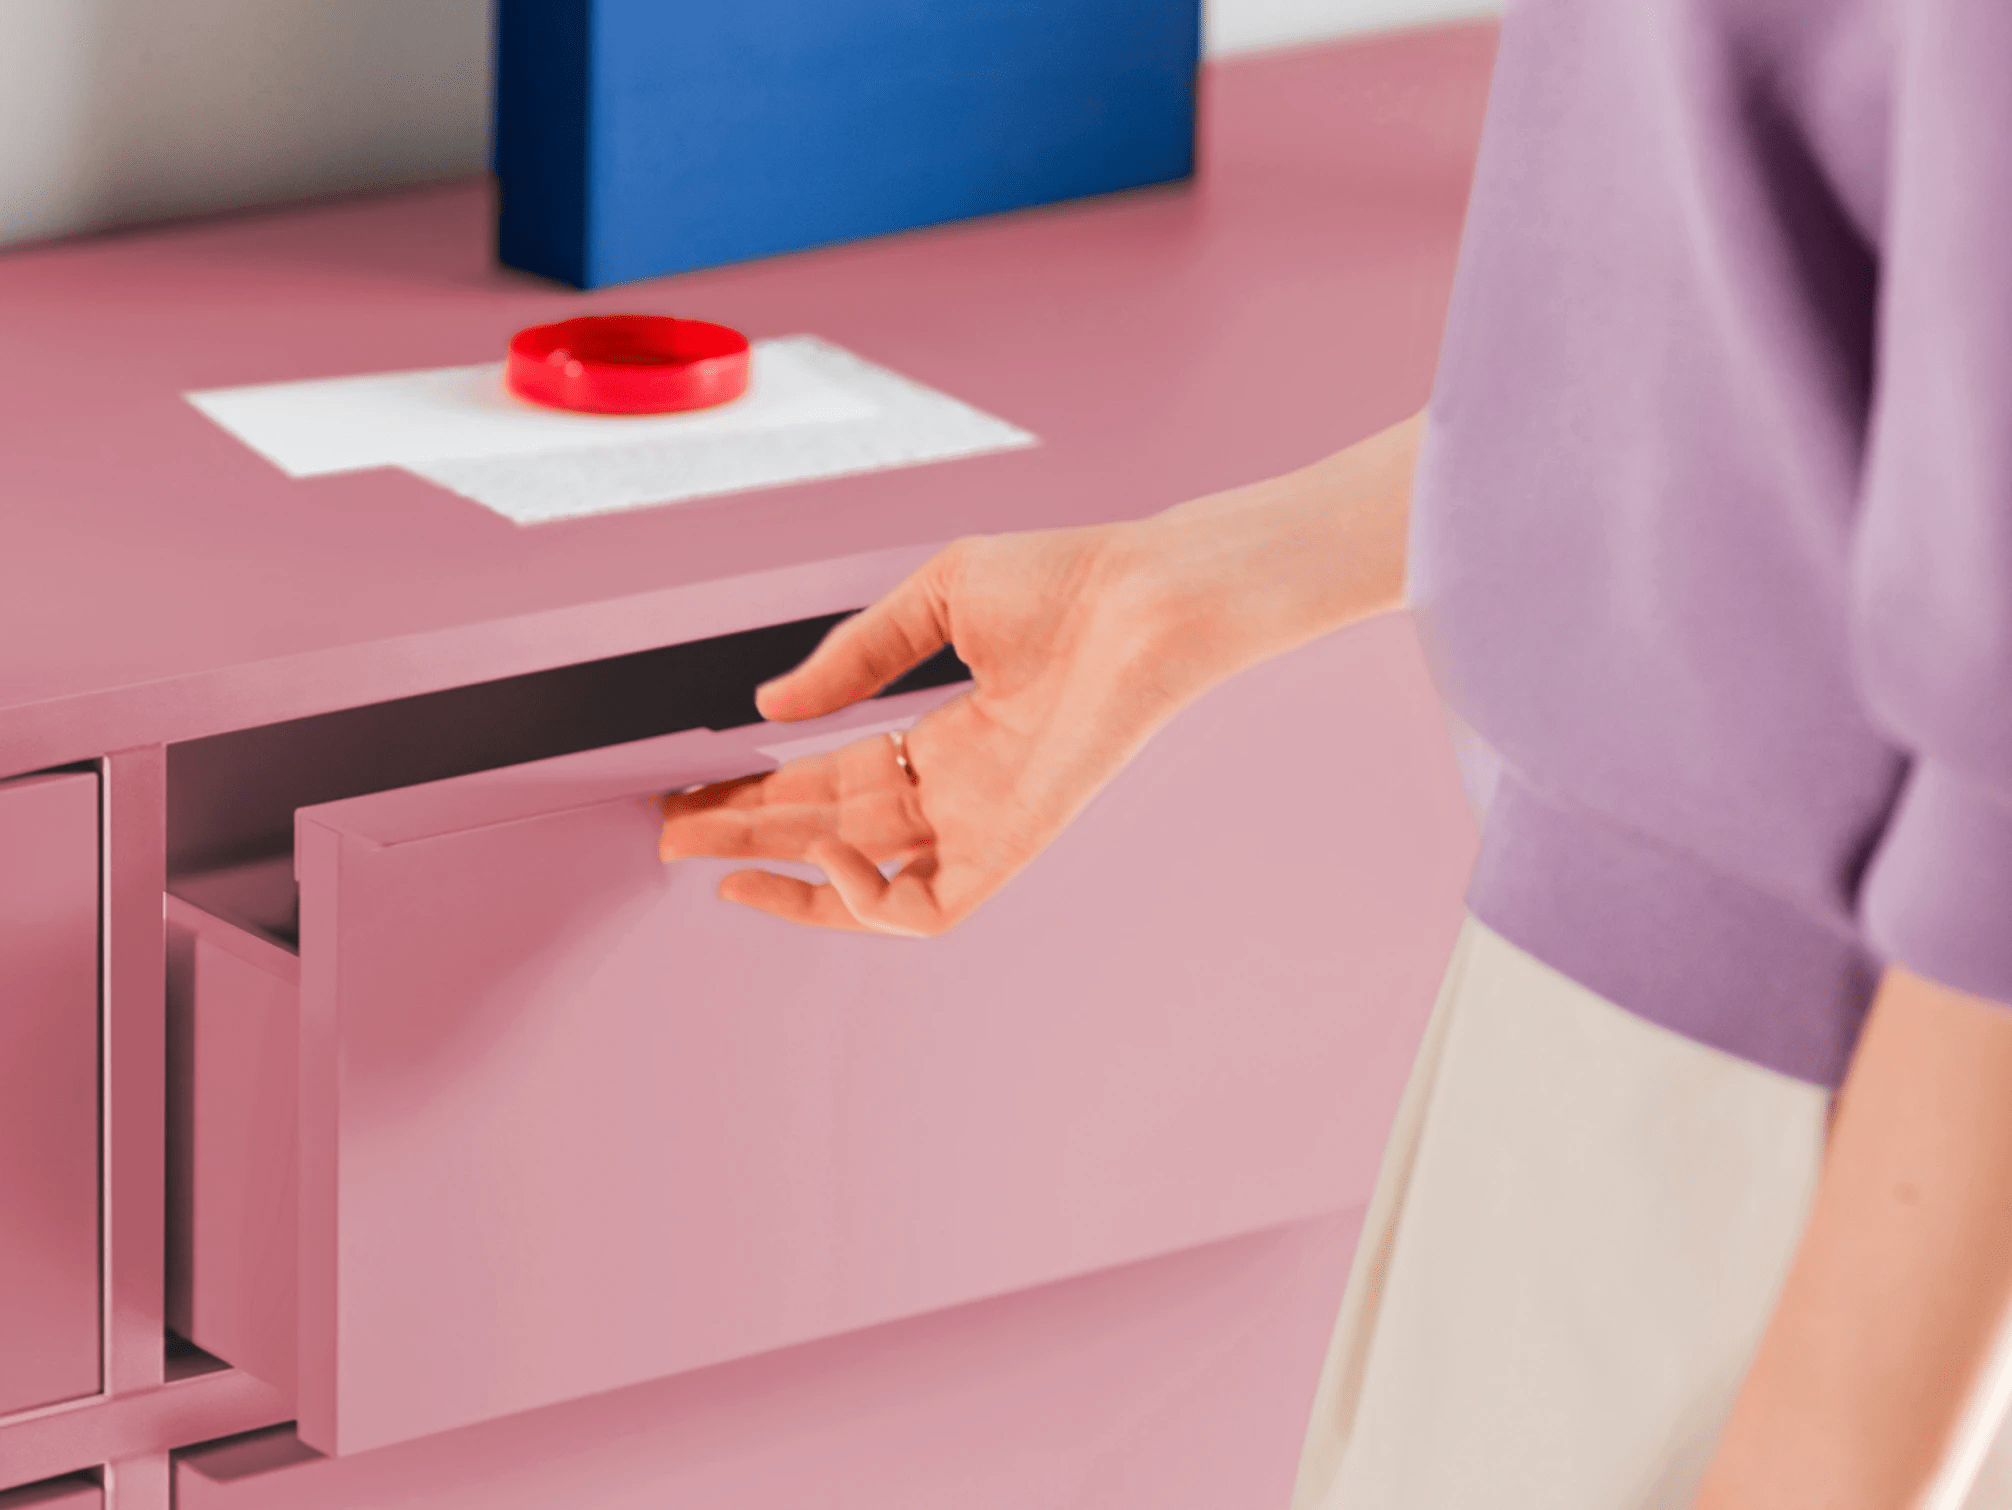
529 1115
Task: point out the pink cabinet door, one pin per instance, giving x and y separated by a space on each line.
567 1123
49 1337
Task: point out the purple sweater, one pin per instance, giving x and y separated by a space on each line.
1713 535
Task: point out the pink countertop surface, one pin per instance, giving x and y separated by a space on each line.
159 580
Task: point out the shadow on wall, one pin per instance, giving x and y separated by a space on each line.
116 112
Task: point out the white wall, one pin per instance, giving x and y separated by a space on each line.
115 112
1241 26
119 111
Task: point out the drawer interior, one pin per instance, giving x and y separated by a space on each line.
231 797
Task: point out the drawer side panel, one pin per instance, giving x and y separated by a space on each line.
241 1125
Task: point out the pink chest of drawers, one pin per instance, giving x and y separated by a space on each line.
436 1146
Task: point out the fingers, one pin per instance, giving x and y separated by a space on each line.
859 791
728 836
791 900
710 820
870 649
867 895
856 897
863 791
853 900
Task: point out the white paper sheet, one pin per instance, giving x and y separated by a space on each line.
812 410
346 424
909 424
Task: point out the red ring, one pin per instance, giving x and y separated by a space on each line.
628 364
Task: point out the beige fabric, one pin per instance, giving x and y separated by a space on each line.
1579 1232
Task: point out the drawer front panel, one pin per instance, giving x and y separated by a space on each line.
49 1305
569 1123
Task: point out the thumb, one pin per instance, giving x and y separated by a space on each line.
864 653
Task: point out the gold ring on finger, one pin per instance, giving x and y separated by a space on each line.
900 742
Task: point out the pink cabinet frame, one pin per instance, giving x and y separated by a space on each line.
50 1305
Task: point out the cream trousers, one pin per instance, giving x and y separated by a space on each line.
1579 1231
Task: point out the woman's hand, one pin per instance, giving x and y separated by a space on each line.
1069 679
1081 643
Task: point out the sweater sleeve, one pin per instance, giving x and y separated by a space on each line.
1931 574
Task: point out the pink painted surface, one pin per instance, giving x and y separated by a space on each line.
143 1481
172 583
136 1422
568 1123
1180 1384
58 1494
49 1296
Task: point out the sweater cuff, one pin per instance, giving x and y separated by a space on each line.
1938 896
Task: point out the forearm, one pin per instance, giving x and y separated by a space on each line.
1239 576
1903 1276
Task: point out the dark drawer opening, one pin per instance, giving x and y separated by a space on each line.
231 797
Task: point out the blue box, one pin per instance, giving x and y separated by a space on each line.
641 137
